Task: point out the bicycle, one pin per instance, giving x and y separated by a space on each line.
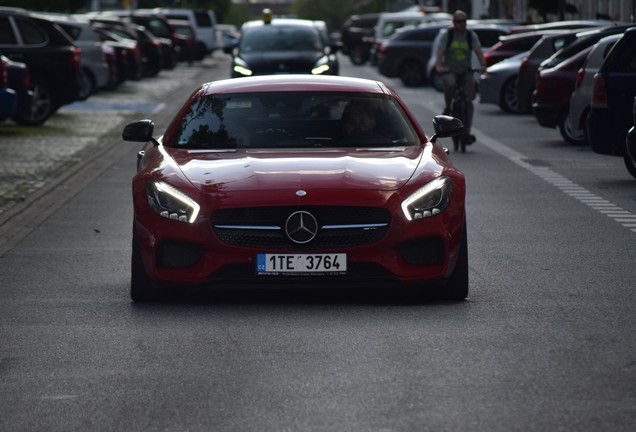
459 109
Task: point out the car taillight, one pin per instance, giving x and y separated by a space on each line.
76 56
579 78
383 49
599 93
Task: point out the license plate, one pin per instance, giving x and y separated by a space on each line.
299 264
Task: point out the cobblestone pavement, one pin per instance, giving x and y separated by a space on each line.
32 157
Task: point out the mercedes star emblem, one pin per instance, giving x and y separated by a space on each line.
301 227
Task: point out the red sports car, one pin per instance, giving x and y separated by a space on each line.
297 179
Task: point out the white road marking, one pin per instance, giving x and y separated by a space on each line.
567 186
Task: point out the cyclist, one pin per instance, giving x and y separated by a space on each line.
453 58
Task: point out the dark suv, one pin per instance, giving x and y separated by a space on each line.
613 94
52 59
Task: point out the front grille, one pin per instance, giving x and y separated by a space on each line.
339 226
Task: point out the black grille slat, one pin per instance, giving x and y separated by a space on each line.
337 216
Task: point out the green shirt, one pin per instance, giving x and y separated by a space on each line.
457 57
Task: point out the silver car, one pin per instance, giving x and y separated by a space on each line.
499 84
575 124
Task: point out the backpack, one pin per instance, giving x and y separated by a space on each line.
469 38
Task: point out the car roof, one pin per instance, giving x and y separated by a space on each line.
274 83
280 21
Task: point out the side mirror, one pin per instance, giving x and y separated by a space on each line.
447 126
139 131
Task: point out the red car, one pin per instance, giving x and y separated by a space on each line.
296 179
551 98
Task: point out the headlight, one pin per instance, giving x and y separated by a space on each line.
429 200
321 66
169 202
241 67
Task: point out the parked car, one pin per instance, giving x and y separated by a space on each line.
406 53
148 46
356 36
510 45
613 91
488 35
95 70
499 84
202 20
549 44
561 25
390 22
575 124
186 40
128 57
51 56
312 205
630 144
19 80
282 46
159 26
7 95
551 99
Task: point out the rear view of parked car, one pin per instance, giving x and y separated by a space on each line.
7 95
582 96
51 56
551 99
406 53
95 71
630 144
19 80
356 36
613 93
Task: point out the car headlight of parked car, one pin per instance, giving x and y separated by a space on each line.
429 200
169 202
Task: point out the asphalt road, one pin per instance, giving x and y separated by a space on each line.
545 342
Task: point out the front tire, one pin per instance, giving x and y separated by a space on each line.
456 287
141 288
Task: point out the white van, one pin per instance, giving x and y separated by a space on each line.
203 22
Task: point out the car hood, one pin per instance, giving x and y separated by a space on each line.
263 170
282 61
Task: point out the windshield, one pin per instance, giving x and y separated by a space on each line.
281 38
292 120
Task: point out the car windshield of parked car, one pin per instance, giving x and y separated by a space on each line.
281 38
292 120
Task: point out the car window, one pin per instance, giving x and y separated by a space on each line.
31 33
6 33
281 38
488 37
288 120
203 19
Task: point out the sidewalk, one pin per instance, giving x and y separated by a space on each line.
36 160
